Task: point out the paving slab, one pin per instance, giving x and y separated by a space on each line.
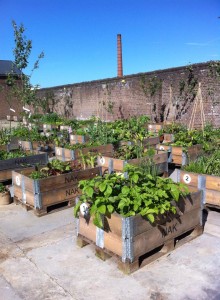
39 259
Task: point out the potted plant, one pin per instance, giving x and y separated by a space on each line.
5 197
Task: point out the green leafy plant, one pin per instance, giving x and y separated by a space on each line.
3 188
208 164
137 193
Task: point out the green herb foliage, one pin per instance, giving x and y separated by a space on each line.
137 193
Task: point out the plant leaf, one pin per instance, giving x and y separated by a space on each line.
89 191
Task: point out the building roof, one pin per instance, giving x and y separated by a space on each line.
8 66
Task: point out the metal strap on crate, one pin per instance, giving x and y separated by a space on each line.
77 219
124 164
201 187
184 159
100 235
127 238
37 195
23 189
110 165
72 154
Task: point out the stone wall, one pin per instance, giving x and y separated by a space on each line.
164 95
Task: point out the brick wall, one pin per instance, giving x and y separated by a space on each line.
163 95
6 101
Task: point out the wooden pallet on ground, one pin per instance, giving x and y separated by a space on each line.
128 267
46 209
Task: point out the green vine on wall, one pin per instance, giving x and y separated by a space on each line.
150 86
214 69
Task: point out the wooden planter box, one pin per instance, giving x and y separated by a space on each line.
67 154
132 237
6 166
13 145
43 193
65 127
209 184
74 139
48 127
150 141
5 198
114 164
154 128
168 138
179 156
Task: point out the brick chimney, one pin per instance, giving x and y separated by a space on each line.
119 56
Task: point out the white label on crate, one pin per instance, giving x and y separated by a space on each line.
72 137
17 180
150 126
58 152
44 126
186 178
102 160
161 148
84 209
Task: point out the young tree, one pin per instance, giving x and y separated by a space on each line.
20 85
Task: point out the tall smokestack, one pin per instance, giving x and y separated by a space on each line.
119 56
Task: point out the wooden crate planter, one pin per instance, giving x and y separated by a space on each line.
75 139
150 141
131 238
154 128
179 156
209 184
6 166
48 127
13 145
67 154
168 138
65 127
44 193
36 146
114 164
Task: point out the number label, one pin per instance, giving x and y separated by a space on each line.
187 178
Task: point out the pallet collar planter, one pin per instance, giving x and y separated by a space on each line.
113 164
150 141
178 155
8 165
131 238
43 193
75 139
209 184
67 154
155 127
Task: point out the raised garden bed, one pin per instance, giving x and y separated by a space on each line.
133 239
209 184
150 141
42 194
155 128
65 154
179 155
160 160
75 138
7 165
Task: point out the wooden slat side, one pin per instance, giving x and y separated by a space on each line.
5 175
60 195
212 197
189 178
177 159
113 243
87 229
113 225
156 237
163 147
177 150
29 196
213 182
